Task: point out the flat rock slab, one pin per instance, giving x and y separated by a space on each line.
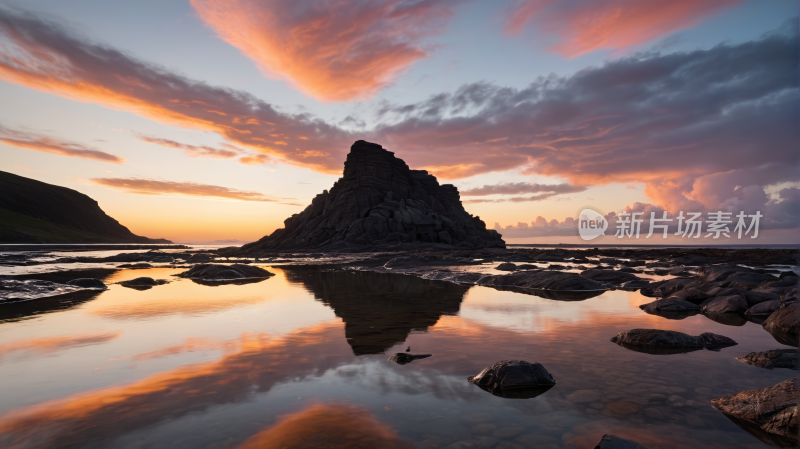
784 325
770 414
514 379
609 276
547 280
615 442
12 290
657 341
219 272
775 358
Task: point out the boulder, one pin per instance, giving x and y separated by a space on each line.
726 304
217 272
764 308
691 294
748 279
756 297
377 203
90 283
142 283
516 379
671 304
506 266
657 341
615 442
784 325
403 358
609 276
771 413
775 358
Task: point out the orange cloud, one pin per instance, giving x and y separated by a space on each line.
54 344
172 188
53 146
610 24
332 51
334 425
192 150
255 159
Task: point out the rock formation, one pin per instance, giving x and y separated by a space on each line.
380 202
218 272
514 379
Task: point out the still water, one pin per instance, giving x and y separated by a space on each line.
300 360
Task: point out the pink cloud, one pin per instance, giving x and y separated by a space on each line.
330 50
193 150
46 144
609 24
172 188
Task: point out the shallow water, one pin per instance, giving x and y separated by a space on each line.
185 365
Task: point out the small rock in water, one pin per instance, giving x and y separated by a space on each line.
143 283
775 358
92 283
657 341
516 379
218 272
402 358
507 266
615 442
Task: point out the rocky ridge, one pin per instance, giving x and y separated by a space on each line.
380 202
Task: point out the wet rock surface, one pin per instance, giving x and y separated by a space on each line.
614 442
13 290
514 379
775 358
657 341
143 283
784 325
218 272
770 414
380 202
91 283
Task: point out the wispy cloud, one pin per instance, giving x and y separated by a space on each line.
608 24
191 150
46 144
172 188
332 51
50 345
522 187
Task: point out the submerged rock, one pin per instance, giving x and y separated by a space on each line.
615 442
609 276
657 341
775 358
770 414
515 379
91 283
402 358
380 202
784 325
217 272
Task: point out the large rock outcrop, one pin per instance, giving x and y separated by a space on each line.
380 202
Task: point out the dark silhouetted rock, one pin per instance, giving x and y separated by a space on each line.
748 279
615 442
380 202
135 265
401 358
609 276
143 283
514 379
726 304
784 325
756 297
657 341
667 288
544 280
775 358
507 266
216 272
671 304
91 283
771 413
691 294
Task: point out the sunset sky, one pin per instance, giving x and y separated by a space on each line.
197 120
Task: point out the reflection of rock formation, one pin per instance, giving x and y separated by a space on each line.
380 310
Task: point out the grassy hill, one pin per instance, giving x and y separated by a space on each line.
33 211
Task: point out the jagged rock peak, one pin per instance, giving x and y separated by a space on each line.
379 202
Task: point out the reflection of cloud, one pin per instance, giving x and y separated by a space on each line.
256 366
162 309
609 24
192 150
337 425
172 188
190 345
333 51
38 142
56 344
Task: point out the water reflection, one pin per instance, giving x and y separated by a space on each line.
327 426
380 310
290 352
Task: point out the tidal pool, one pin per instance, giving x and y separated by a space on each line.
301 360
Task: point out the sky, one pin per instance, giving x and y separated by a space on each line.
201 120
